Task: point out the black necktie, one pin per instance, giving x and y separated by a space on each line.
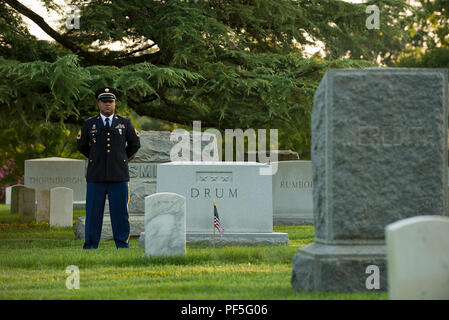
107 123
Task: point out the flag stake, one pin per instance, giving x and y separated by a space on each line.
213 224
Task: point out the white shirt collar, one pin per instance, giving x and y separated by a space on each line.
103 117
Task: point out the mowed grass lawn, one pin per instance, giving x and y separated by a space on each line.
34 258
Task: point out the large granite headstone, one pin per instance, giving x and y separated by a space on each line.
165 224
155 149
48 173
292 193
242 195
418 258
379 154
281 155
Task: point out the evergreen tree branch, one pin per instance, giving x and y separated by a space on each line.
46 28
109 59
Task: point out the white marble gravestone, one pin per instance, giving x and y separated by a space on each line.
165 224
61 207
242 195
418 258
292 193
43 206
8 195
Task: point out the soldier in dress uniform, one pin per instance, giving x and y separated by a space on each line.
108 141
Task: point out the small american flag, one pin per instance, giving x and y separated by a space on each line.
217 222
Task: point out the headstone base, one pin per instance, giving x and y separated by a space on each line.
287 219
79 205
338 268
136 224
206 239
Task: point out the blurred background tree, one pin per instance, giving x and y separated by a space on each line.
429 36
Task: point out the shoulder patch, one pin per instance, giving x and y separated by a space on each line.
79 135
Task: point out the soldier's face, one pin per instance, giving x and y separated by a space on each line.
106 107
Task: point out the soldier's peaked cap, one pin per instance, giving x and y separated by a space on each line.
106 93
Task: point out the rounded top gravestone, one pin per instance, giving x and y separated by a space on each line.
418 258
165 224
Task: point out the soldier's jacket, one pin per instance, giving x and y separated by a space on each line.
108 151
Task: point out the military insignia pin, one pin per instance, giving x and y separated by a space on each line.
120 126
94 127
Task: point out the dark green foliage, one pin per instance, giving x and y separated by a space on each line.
229 63
432 58
429 32
431 27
